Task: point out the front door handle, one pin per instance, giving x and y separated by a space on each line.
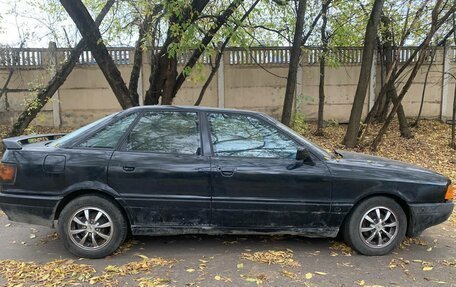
129 168
227 171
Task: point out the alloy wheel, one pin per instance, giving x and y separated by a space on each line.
378 227
90 228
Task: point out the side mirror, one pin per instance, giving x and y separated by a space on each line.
302 157
302 154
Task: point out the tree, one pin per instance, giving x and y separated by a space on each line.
295 56
370 39
436 23
390 54
391 94
321 87
165 81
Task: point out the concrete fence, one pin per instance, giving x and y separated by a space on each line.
247 79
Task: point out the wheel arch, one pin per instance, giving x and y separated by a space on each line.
91 191
397 198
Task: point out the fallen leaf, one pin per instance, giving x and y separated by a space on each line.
360 282
289 274
309 276
190 270
272 257
143 257
340 247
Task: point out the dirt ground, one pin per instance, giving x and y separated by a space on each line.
35 256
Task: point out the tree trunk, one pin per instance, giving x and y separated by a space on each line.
321 87
453 118
295 56
137 60
169 82
351 135
43 96
90 32
403 125
214 69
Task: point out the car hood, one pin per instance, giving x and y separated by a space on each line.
376 162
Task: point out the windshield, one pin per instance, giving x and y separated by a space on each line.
79 131
320 149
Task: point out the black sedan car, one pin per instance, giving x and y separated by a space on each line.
166 170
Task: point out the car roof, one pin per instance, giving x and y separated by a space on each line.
191 108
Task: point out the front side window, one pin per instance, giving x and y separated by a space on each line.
246 136
109 136
166 132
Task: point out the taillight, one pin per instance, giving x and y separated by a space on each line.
7 172
449 195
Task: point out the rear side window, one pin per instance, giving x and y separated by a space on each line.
166 132
109 136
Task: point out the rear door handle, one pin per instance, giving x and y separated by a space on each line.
129 168
227 171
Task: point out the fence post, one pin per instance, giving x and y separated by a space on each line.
372 81
221 82
445 78
56 97
140 88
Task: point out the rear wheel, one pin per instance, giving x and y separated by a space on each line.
92 226
376 226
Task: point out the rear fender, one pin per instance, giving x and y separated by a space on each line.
89 187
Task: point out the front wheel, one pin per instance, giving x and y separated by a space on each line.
376 226
92 226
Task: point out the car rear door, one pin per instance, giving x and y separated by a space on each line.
256 182
161 173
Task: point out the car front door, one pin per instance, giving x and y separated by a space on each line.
160 171
257 182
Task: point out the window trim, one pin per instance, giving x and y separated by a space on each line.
122 144
259 118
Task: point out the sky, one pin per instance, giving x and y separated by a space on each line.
14 25
22 20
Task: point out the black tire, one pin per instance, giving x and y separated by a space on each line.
381 243
97 246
